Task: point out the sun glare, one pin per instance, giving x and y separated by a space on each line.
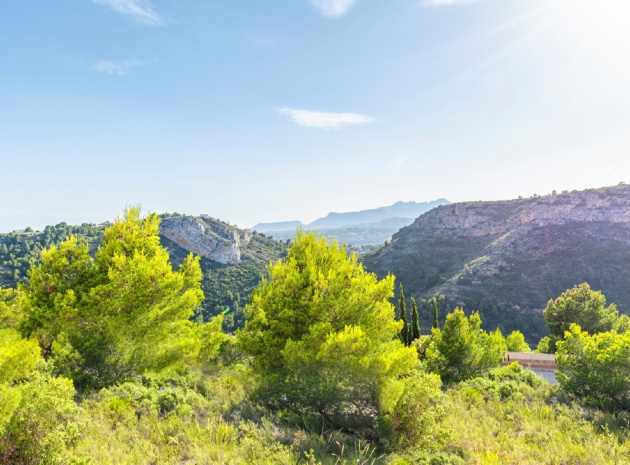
599 28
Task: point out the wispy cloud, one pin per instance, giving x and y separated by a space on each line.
323 120
137 10
120 68
446 2
333 8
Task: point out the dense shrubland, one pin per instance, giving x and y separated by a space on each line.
101 362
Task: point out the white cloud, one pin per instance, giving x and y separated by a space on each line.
138 10
119 69
323 120
333 8
445 2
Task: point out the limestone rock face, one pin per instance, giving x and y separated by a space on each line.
488 218
207 237
508 258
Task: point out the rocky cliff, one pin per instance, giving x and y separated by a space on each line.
508 258
233 260
207 237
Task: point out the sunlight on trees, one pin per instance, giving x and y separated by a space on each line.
120 314
322 335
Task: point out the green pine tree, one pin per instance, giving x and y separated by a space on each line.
415 323
436 325
404 332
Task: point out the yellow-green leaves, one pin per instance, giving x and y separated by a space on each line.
461 349
321 332
516 342
18 358
596 366
121 314
10 314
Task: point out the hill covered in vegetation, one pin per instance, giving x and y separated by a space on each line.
232 260
508 258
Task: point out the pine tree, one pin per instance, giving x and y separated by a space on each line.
319 331
436 325
404 332
415 323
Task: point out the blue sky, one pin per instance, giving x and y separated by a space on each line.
268 110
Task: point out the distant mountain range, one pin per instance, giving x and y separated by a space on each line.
363 228
507 259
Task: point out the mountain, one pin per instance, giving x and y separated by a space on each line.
398 210
232 260
278 226
362 230
508 258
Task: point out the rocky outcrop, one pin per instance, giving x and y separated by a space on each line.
510 257
610 204
207 237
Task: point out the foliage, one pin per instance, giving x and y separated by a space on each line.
411 419
19 249
18 358
41 427
461 349
596 366
546 346
119 314
405 330
320 332
9 311
582 306
415 321
434 305
509 382
223 285
516 342
513 417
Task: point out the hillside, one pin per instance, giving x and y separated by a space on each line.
508 258
232 260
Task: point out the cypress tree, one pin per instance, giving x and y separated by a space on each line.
404 332
415 323
435 313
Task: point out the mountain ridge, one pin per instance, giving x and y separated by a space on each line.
361 230
399 209
508 258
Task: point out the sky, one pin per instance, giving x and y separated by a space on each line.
274 110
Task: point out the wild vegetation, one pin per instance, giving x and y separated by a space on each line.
103 362
224 286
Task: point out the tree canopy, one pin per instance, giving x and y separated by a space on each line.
583 306
322 335
461 349
122 313
596 366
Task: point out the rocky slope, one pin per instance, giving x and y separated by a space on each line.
507 259
233 260
207 237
